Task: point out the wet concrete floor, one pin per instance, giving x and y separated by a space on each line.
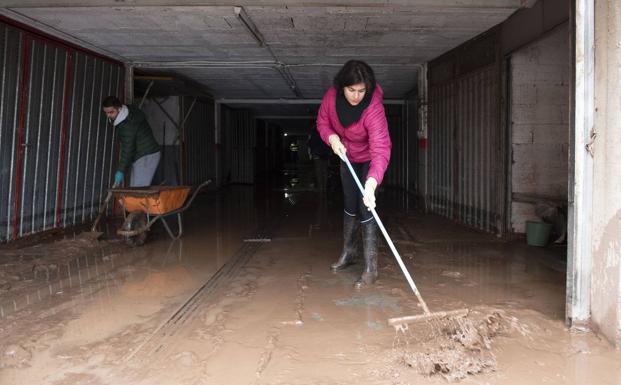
246 297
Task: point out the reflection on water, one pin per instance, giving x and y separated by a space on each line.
214 228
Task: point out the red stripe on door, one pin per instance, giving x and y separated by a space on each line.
21 127
63 135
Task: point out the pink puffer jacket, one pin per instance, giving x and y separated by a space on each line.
367 139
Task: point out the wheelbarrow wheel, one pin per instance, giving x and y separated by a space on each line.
136 221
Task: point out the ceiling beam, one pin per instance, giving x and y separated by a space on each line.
270 101
253 64
493 4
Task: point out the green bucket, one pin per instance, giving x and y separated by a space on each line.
538 233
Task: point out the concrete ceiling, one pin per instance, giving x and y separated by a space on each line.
305 41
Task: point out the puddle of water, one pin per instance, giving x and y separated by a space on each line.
375 325
316 317
376 300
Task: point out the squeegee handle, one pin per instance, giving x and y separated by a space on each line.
388 240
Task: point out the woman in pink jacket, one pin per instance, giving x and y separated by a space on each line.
352 120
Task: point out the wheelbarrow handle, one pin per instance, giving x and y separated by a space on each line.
102 209
201 186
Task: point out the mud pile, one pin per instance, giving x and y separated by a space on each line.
457 348
14 356
45 261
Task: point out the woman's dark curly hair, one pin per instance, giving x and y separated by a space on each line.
354 72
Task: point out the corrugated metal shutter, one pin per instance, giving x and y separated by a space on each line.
467 149
56 147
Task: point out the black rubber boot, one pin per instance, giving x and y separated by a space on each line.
350 235
369 244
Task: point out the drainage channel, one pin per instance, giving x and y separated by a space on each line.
157 340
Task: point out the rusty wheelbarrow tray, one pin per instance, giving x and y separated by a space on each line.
143 206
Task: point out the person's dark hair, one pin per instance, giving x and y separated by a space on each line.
354 72
112 101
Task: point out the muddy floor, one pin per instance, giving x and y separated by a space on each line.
246 297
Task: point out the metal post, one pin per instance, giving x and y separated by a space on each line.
2 92
129 84
98 116
217 136
146 93
266 161
423 135
87 171
35 180
49 145
69 103
578 309
113 137
15 137
187 114
183 172
103 184
22 170
80 130
406 125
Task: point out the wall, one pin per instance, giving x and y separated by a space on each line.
606 150
56 148
185 126
198 147
530 24
268 145
469 147
238 142
163 117
163 123
539 125
397 172
414 169
466 136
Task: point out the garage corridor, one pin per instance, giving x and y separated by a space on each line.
247 297
178 206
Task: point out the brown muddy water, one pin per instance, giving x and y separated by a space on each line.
214 309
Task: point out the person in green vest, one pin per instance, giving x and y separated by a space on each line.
139 150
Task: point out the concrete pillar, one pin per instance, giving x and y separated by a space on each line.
580 202
605 147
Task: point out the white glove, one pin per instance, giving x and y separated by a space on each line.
337 146
369 193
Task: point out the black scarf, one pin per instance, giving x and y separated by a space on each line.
347 113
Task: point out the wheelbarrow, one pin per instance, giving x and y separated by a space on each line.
143 206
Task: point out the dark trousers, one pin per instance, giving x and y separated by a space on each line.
352 198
